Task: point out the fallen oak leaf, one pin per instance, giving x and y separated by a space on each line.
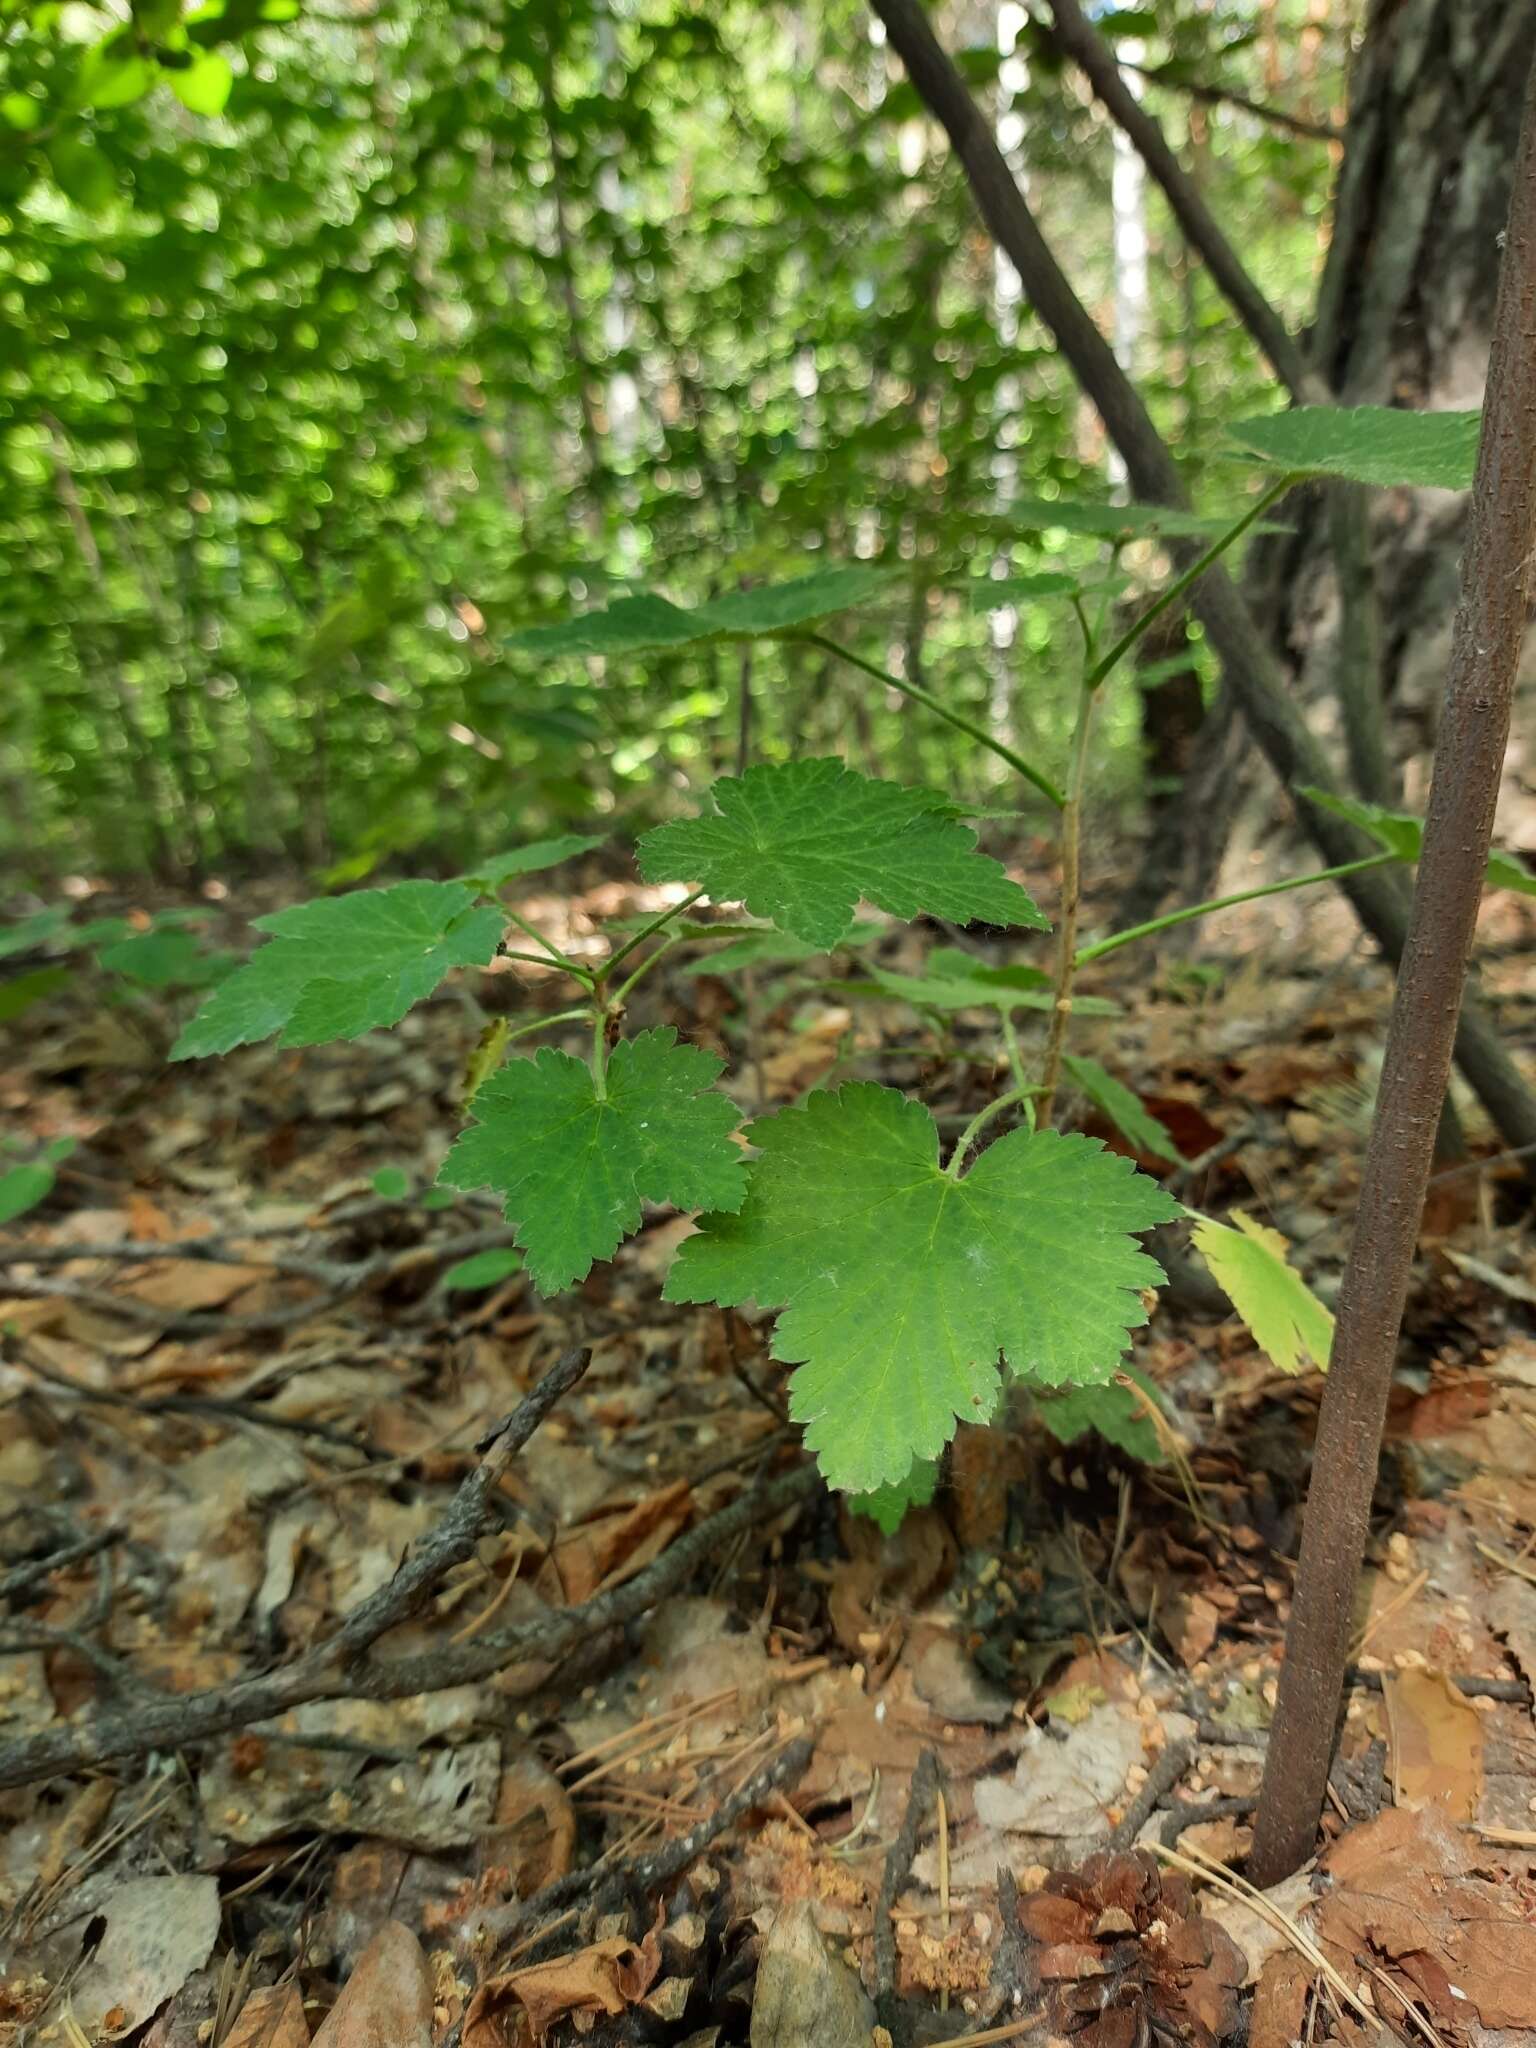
608 1977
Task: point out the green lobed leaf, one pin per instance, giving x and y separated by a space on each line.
800 843
1125 1110
530 859
646 623
344 965
899 1287
392 1183
1284 1316
889 1506
1403 835
171 957
1369 444
574 1168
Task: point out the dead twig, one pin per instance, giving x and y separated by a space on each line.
213 1407
341 1281
1161 1779
338 1667
898 1868
23 1576
610 1885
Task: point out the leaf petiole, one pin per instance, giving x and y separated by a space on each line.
554 956
1192 910
618 998
1113 657
957 719
647 930
599 1060
978 1123
545 1024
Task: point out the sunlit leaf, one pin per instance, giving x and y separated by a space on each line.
802 842
574 1166
899 1287
1284 1316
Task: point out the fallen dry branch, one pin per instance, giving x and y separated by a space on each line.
339 1668
340 1279
611 1884
898 1868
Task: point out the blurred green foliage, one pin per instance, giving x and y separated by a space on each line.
340 344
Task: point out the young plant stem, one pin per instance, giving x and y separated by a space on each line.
546 1024
1184 582
645 932
1193 910
1015 1051
1498 580
553 955
1071 902
957 719
599 1062
546 960
977 1124
651 960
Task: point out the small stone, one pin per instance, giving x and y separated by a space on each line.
803 1993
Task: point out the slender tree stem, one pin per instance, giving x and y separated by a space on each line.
977 1124
957 719
1248 664
1071 903
599 1061
647 931
1498 581
1193 910
1184 582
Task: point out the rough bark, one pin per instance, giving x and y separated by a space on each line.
1403 317
1498 580
1248 668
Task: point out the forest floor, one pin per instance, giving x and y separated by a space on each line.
696 1739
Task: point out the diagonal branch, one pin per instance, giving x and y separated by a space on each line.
341 1666
1498 582
1098 63
1248 666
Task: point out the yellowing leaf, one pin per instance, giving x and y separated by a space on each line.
1284 1316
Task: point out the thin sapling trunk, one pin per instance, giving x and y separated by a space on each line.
1497 581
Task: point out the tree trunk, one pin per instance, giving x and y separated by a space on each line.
1403 318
